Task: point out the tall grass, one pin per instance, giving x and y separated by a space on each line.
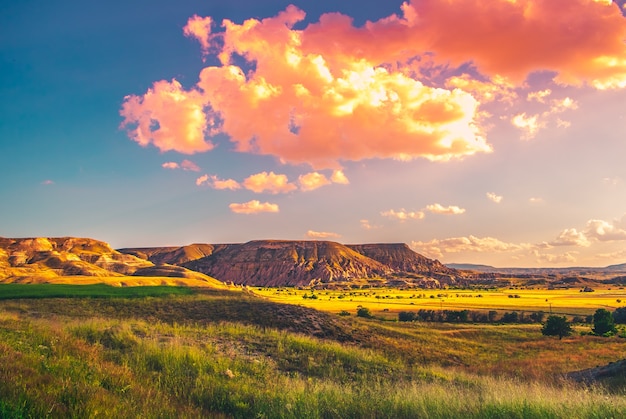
107 365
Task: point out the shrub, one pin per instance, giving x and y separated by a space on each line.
364 312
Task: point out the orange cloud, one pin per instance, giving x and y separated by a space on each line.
334 92
312 181
253 207
403 215
270 182
449 210
514 38
322 235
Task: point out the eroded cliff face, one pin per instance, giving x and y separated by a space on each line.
287 263
400 257
173 255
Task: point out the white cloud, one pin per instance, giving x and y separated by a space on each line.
365 224
494 198
170 165
571 237
449 210
253 207
322 235
437 248
530 125
568 257
403 215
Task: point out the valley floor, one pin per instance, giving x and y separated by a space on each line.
223 353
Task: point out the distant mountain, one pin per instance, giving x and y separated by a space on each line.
278 263
39 259
471 267
306 263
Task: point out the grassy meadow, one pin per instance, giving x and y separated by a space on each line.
388 302
218 353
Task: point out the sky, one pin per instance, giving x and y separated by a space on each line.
475 131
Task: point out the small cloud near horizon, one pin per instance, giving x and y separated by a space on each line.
253 207
322 235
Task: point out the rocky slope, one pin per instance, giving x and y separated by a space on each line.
307 263
40 259
290 263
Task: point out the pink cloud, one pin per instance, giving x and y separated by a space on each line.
217 183
322 235
170 165
169 117
47 182
189 166
253 207
186 165
312 181
268 182
199 28
202 179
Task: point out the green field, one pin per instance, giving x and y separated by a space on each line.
13 291
219 353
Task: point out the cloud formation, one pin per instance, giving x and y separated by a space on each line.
253 207
403 215
217 183
493 197
594 231
322 235
268 182
449 210
186 165
312 181
436 248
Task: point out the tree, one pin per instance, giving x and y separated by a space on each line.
603 323
619 315
556 326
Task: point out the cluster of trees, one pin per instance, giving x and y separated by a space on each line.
467 316
603 323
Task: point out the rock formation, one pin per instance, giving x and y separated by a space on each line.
29 259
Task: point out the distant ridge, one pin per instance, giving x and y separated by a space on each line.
306 263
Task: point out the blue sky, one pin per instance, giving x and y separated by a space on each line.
396 138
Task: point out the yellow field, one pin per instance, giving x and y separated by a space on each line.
386 300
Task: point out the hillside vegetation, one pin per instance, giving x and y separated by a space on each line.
230 354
